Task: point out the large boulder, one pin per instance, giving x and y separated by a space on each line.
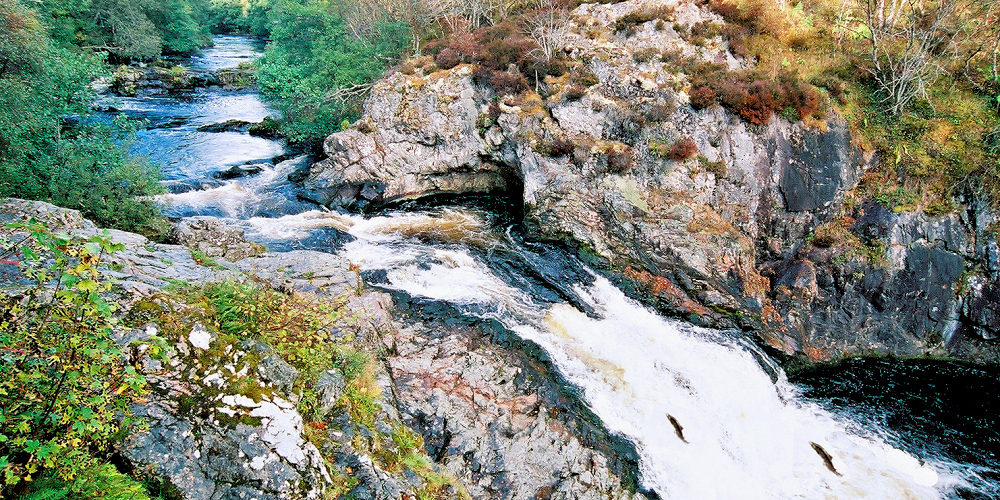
424 142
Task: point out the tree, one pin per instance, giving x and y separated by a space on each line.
547 27
123 29
315 65
912 42
42 155
65 391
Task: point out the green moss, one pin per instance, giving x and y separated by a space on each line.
202 259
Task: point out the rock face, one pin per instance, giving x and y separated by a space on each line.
931 292
426 142
726 238
212 444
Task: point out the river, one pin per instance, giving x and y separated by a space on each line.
711 416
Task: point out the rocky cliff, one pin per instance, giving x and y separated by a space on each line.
708 217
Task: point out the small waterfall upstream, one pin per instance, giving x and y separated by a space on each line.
711 416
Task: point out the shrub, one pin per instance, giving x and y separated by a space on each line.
737 36
759 105
574 92
448 58
805 99
65 391
540 67
658 149
834 85
645 55
561 147
580 75
716 167
683 149
620 158
702 97
732 94
706 29
500 54
646 13
502 82
759 17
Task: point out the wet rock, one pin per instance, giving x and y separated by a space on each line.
226 126
187 185
246 170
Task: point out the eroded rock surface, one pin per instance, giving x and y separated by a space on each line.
425 142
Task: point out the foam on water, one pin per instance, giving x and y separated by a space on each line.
239 198
738 434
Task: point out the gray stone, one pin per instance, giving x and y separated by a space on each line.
280 374
237 171
330 387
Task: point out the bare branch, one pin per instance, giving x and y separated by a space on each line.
548 28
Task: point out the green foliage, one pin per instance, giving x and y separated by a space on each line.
42 156
294 324
65 392
238 16
99 481
202 259
129 29
317 70
180 24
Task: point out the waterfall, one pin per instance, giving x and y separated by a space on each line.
707 419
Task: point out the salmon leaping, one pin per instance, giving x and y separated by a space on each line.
677 428
827 458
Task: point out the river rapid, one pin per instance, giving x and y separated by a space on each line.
710 415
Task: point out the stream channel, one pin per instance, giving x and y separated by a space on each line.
710 415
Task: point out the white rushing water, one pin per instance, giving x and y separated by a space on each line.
706 419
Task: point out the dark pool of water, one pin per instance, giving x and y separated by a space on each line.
939 411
